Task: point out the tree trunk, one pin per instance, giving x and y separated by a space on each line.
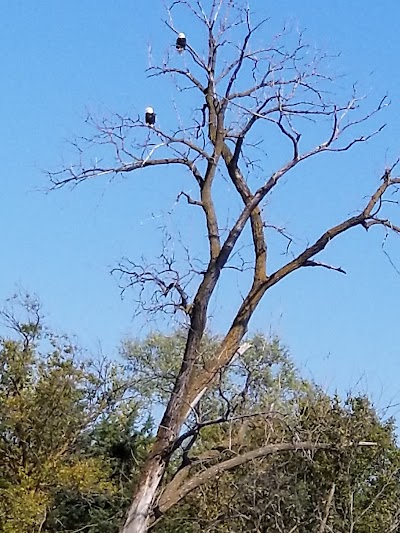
168 430
139 512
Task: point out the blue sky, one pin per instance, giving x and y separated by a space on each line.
61 58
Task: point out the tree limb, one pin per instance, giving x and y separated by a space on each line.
327 509
170 497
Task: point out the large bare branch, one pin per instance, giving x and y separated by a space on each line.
157 71
173 494
75 175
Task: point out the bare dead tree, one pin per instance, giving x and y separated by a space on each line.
238 86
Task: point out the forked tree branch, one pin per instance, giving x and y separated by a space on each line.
202 379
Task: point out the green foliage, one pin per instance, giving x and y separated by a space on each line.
53 405
289 491
116 445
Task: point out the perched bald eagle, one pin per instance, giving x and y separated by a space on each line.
181 42
150 116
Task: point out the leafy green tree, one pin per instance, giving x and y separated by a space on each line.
51 399
115 443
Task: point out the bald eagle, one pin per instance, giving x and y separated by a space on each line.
181 42
150 116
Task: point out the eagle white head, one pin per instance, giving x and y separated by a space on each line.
181 36
149 110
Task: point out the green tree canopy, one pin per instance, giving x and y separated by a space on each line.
54 401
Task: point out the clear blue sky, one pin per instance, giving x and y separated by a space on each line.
62 57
